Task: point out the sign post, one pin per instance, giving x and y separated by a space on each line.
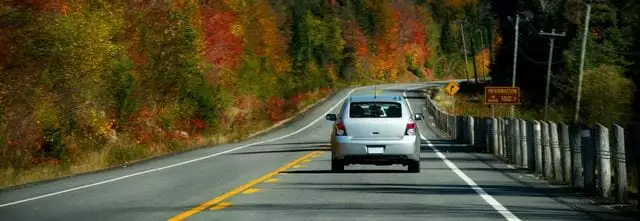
501 96
451 89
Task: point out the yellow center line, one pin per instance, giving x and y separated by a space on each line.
239 189
250 191
272 180
306 161
221 206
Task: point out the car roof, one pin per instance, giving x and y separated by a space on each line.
386 98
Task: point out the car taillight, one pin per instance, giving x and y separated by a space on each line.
411 128
340 130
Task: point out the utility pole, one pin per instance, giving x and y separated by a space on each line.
464 53
483 67
515 60
473 59
582 53
553 36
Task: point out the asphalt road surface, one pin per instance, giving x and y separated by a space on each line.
285 175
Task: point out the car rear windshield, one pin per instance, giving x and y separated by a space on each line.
375 110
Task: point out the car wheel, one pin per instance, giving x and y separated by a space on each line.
414 166
337 166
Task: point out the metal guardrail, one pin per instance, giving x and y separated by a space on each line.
575 155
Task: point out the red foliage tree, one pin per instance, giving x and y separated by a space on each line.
222 46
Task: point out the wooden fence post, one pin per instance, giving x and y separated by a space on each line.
493 136
546 151
577 170
589 160
566 153
524 150
620 164
537 145
517 158
604 158
556 155
472 132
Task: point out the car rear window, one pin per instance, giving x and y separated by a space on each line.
375 110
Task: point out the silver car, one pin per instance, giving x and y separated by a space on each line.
376 130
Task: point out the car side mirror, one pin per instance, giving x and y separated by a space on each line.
418 116
331 117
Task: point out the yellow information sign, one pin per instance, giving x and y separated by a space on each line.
452 88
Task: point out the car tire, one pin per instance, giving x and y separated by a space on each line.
337 166
414 167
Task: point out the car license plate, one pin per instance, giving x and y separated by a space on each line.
375 149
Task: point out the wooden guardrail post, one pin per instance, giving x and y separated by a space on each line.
530 157
506 139
510 147
445 122
556 155
450 125
524 150
589 160
441 121
516 142
436 116
566 153
546 150
499 133
460 127
537 145
501 137
577 170
493 136
620 164
471 135
480 134
604 161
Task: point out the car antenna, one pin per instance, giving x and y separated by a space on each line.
374 92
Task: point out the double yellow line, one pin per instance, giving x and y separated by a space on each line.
240 189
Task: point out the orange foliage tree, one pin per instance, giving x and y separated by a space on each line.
385 64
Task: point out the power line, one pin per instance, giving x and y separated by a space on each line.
538 62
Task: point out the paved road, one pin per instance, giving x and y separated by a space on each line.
284 175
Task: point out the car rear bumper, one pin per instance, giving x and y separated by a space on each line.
345 148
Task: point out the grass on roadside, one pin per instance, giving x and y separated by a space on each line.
126 150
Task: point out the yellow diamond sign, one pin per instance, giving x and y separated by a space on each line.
452 88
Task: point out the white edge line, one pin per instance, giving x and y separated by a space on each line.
184 162
485 196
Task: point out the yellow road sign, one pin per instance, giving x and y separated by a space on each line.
452 88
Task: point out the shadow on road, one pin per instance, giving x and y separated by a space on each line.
296 144
427 189
345 171
341 210
309 149
290 147
297 210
